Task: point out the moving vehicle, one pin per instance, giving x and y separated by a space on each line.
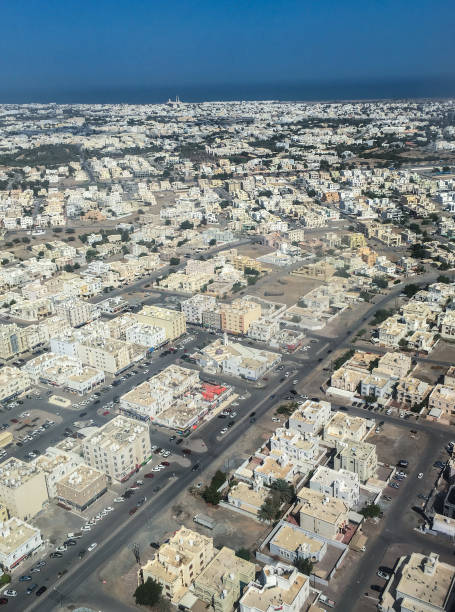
41 590
92 547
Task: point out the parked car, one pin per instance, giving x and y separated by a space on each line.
383 575
41 590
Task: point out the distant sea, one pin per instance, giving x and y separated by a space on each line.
392 89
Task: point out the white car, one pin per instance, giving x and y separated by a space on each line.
10 593
86 528
119 500
109 509
92 547
420 476
61 549
224 430
156 468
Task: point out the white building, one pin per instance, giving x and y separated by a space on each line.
341 484
279 587
17 540
194 307
310 417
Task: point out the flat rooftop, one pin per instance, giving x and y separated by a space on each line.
14 533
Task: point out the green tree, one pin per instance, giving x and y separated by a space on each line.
212 242
270 509
284 489
305 566
371 511
174 261
167 222
410 290
243 553
443 279
149 593
186 225
380 282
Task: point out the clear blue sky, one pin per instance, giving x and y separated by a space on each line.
77 44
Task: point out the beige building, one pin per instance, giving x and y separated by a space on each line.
81 487
248 498
23 488
393 364
443 398
174 322
357 457
237 317
412 391
343 427
221 583
177 563
323 515
118 448
420 583
13 340
280 587
13 382
109 355
292 543
55 464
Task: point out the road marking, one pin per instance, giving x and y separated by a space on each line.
324 346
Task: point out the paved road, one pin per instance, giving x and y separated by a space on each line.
116 532
139 284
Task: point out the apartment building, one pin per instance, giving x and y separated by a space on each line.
341 484
347 379
13 382
264 329
302 449
173 322
380 387
391 331
118 448
292 543
17 540
395 365
112 356
55 464
323 515
13 341
23 488
357 457
76 311
310 417
412 391
221 582
277 466
237 359
343 427
237 316
279 587
81 487
178 562
419 582
442 398
159 392
447 322
148 336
